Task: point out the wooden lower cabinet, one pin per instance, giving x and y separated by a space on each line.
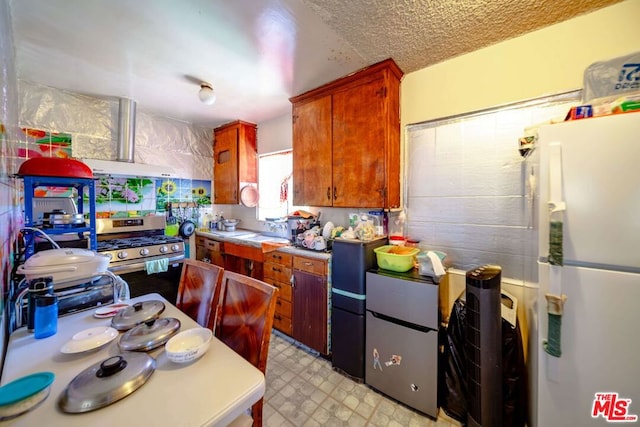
310 302
209 250
278 272
301 309
244 259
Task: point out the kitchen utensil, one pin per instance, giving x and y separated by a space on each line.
106 382
249 196
24 394
66 266
188 345
89 339
139 312
187 228
149 335
229 224
55 167
171 219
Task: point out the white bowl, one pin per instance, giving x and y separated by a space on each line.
188 345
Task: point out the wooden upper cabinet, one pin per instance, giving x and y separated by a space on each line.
235 160
346 141
312 159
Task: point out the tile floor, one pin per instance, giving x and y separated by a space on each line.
303 390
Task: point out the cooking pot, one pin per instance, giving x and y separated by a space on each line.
66 266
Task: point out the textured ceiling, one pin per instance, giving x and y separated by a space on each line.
422 33
256 53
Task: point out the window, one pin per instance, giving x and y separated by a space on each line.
275 183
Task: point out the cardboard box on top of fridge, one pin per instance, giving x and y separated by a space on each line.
614 77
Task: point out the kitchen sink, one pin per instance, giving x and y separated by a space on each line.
262 238
237 234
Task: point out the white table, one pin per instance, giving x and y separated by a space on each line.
210 391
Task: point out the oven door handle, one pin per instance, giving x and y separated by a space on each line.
139 266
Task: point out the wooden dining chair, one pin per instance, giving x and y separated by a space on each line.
199 291
243 322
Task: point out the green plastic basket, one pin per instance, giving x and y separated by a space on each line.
395 262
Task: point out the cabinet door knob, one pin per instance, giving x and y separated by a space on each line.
335 193
328 193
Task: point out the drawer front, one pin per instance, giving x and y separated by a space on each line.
411 301
283 308
277 272
310 265
277 257
285 291
414 379
243 251
213 245
282 323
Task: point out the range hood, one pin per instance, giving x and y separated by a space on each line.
125 165
112 167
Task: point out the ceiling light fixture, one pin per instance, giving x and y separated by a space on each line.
206 94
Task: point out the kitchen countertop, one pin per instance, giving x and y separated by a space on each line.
255 239
212 390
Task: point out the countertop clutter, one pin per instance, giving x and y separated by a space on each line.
251 238
210 391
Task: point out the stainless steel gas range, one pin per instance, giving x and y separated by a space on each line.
137 244
132 243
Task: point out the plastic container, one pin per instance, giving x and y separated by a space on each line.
46 316
397 240
401 261
412 243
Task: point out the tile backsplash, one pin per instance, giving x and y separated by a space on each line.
123 196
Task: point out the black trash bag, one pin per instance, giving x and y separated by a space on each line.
453 391
453 394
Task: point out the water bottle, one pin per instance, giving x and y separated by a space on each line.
46 316
37 287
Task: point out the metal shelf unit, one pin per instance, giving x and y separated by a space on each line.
31 182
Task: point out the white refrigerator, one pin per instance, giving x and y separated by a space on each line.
589 174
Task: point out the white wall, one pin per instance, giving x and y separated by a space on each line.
544 62
547 61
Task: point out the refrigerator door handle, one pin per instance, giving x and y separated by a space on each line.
401 322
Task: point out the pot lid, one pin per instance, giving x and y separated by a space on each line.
106 382
149 335
58 257
139 312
